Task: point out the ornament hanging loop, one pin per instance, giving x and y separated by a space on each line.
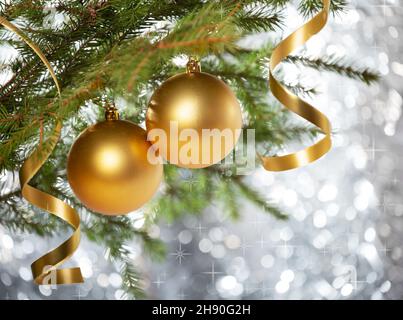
111 113
193 65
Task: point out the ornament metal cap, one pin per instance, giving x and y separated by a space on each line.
111 113
193 65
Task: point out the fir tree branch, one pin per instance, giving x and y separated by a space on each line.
19 220
256 198
257 19
7 196
310 7
228 195
131 280
300 89
336 65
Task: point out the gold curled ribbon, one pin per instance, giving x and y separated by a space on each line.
44 269
294 103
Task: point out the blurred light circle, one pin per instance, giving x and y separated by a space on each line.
119 294
327 193
25 274
103 280
216 234
218 251
6 279
227 282
7 241
205 245
267 261
86 267
115 280
154 231
287 276
282 286
319 219
232 241
370 235
346 290
27 247
185 236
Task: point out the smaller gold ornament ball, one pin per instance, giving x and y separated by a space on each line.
108 168
200 116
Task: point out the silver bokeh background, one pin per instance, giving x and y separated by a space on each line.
345 233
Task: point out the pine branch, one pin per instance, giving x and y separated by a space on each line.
300 89
154 248
18 216
131 280
310 7
8 196
228 195
336 65
257 19
256 198
20 220
275 4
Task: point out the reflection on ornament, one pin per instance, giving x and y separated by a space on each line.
108 168
198 116
110 159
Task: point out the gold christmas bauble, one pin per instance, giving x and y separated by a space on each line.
108 168
200 116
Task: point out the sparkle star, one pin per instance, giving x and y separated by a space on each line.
387 5
180 253
200 228
385 249
182 295
212 273
373 150
158 282
244 246
78 295
257 222
386 204
286 248
262 241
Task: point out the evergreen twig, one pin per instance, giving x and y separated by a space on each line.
337 65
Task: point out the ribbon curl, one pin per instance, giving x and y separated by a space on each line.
296 104
44 269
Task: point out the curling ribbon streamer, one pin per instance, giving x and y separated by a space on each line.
294 103
44 269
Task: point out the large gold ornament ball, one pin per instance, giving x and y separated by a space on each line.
108 168
190 103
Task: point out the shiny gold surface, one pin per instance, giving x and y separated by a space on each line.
57 207
194 100
44 269
108 168
294 103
